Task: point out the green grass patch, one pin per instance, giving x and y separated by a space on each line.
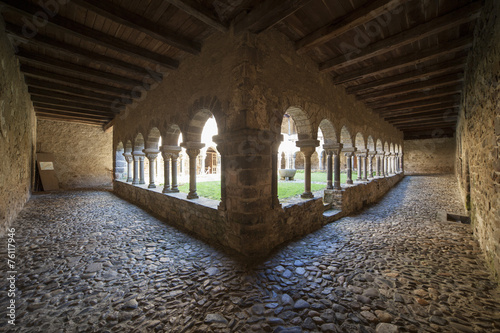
320 176
209 190
290 189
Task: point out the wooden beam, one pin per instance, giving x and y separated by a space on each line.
33 82
396 80
463 15
362 15
413 87
419 110
409 60
106 127
61 23
428 102
78 52
418 120
268 13
72 114
76 82
31 57
442 112
69 120
429 134
129 19
427 124
416 96
198 11
72 98
75 110
58 102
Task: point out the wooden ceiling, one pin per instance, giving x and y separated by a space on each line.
86 60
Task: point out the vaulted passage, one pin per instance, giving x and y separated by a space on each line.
120 269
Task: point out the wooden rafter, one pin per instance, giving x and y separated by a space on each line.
410 76
34 91
427 102
47 106
360 16
196 10
30 57
419 120
417 96
71 114
419 110
34 82
58 102
433 27
267 14
122 16
31 71
443 112
412 87
71 120
86 33
409 60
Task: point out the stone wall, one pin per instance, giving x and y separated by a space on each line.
82 153
429 156
17 135
478 135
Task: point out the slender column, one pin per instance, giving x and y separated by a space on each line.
370 168
138 171
402 163
329 169
193 154
349 168
360 168
364 158
166 172
130 160
377 161
307 151
382 166
174 156
151 155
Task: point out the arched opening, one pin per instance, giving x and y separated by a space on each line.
348 156
212 161
153 156
120 163
138 156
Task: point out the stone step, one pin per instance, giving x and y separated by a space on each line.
332 215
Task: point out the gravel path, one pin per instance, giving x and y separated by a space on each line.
88 261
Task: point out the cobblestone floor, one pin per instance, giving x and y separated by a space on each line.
90 262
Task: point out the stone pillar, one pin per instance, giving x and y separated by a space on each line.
138 167
402 163
382 166
364 158
307 147
193 150
129 158
370 168
151 155
166 172
329 169
349 167
360 168
174 156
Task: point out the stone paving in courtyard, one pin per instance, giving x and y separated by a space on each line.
90 262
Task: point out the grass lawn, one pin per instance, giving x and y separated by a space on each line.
320 176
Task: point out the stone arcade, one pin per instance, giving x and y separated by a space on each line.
395 102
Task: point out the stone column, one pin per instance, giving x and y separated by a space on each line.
329 169
166 172
307 151
174 156
193 150
170 155
402 163
349 167
382 169
130 160
360 167
370 168
138 167
364 158
151 155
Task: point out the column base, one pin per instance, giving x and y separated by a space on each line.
135 182
337 186
151 186
129 180
192 195
307 195
174 190
349 181
142 183
166 190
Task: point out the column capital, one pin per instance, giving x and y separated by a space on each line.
193 145
307 143
307 151
372 153
128 157
170 149
349 151
151 153
138 155
334 148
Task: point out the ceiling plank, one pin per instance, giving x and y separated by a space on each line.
396 80
74 51
71 114
433 27
75 110
429 134
443 112
267 14
33 82
80 83
79 30
31 57
412 87
122 16
408 60
427 124
71 120
416 96
34 91
428 102
196 10
419 110
452 117
362 15
58 102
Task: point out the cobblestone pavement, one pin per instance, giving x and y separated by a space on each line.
90 262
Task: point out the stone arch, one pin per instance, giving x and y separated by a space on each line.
172 135
196 125
380 146
153 139
302 122
299 160
329 133
360 141
386 147
370 143
120 163
391 148
345 137
139 142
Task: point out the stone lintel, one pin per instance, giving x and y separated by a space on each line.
170 149
138 153
361 152
192 145
349 150
150 151
307 143
335 147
